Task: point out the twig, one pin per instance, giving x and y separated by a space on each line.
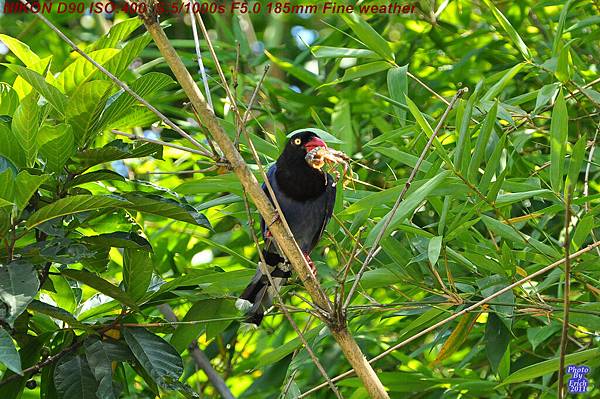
209 102
203 150
458 314
250 104
566 295
391 214
200 358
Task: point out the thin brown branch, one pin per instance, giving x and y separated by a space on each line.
250 105
391 214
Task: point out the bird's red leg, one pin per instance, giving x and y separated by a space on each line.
311 264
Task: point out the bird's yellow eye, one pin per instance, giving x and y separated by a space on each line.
297 141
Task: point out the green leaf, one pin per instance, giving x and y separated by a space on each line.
560 28
57 151
282 351
537 335
360 71
8 352
27 185
54 97
296 71
575 163
558 141
368 35
583 230
118 32
510 31
85 106
204 312
116 150
56 313
75 204
97 175
497 88
9 145
408 205
434 249
25 125
549 366
545 95
563 68
81 70
20 50
118 64
101 366
9 99
155 355
120 239
397 83
144 86
166 207
137 272
482 141
74 378
341 126
492 165
18 285
100 285
497 338
341 52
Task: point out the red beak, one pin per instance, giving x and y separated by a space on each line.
314 143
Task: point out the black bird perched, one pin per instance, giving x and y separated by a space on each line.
306 196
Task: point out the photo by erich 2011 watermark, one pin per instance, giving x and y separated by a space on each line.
577 383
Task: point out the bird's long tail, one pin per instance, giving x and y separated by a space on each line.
257 298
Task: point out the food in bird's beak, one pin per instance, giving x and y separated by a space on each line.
319 156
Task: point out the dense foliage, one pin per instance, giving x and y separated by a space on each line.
99 232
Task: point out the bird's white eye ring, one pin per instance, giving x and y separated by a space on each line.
297 141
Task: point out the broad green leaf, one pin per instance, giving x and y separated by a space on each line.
56 313
397 83
558 141
143 86
9 99
75 204
85 106
368 35
101 365
211 316
25 186
549 366
408 205
497 88
99 284
510 30
97 175
120 239
8 352
583 230
463 141
360 71
59 149
20 50
155 355
81 70
116 34
491 167
328 137
9 145
74 378
482 140
341 126
458 336
116 150
545 95
341 52
57 99
537 335
137 272
25 125
166 207
18 285
282 351
434 249
118 64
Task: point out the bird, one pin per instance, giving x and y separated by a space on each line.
306 196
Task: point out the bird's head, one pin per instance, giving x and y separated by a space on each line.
301 144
